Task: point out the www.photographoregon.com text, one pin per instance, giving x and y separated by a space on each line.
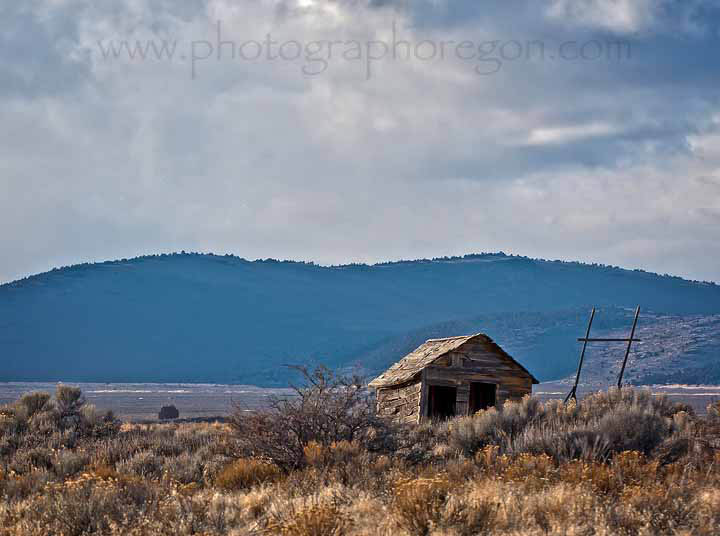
316 56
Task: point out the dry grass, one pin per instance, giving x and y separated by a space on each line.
312 515
245 473
617 463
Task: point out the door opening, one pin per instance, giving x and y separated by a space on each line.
441 403
482 396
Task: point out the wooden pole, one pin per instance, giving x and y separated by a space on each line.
573 392
627 351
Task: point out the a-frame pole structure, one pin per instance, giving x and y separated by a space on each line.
585 340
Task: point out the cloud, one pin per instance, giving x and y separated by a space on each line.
620 16
37 51
609 160
568 134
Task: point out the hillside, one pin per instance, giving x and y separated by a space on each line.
208 318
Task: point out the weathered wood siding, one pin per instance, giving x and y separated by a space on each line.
476 362
509 386
401 403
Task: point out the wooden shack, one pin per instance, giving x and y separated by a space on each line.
447 377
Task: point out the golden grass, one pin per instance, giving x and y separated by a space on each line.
245 473
422 486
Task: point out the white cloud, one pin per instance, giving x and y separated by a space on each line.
568 134
573 160
622 16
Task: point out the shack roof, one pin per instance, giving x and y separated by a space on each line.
427 353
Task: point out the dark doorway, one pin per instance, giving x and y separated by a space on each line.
482 396
441 403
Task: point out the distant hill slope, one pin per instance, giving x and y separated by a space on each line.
208 318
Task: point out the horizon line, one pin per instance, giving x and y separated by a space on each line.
445 258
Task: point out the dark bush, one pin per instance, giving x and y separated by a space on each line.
168 412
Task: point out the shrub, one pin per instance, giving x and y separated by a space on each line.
327 410
34 420
92 423
469 514
245 473
34 403
168 412
633 468
713 410
70 400
313 516
25 461
470 434
89 507
493 426
563 444
19 487
316 454
338 453
656 509
596 405
418 504
672 449
592 429
633 428
68 462
144 464
185 468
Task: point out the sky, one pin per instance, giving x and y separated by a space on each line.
361 130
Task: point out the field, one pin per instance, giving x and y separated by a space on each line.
619 462
140 402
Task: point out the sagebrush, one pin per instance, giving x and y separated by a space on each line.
621 462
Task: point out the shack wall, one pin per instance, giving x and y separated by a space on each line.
401 403
509 386
476 362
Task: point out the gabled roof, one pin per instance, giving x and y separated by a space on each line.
412 364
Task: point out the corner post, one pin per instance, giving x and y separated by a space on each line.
573 392
627 350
